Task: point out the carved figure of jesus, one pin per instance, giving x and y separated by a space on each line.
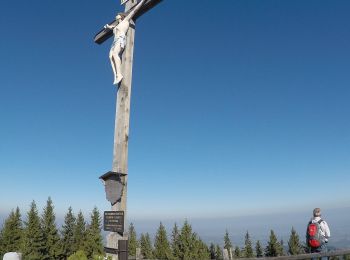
119 42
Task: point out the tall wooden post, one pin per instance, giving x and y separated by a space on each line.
121 130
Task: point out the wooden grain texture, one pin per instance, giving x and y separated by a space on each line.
121 132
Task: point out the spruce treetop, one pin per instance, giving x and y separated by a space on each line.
11 233
161 245
33 237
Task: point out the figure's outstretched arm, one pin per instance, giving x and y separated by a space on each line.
108 26
133 11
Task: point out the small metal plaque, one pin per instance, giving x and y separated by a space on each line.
109 250
113 221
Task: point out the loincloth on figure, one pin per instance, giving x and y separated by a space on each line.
120 40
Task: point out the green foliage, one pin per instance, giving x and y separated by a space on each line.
161 245
93 245
237 252
259 250
68 233
248 248
146 246
202 250
33 247
273 247
79 234
11 233
175 242
53 248
79 255
281 248
294 246
218 253
185 244
132 240
187 241
212 251
40 240
227 243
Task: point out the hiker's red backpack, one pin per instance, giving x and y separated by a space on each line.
313 234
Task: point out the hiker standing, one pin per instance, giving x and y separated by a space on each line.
317 233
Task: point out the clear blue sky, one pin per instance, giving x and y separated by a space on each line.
238 107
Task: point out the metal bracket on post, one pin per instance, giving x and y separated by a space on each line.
113 186
123 249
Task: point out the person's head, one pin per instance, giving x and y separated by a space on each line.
317 212
120 17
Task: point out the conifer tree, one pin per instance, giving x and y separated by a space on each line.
146 246
218 253
227 244
187 242
161 244
11 233
202 250
79 233
93 245
237 252
248 248
273 247
51 235
212 251
175 242
132 240
68 234
294 246
259 250
33 247
281 248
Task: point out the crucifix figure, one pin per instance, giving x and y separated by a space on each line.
119 42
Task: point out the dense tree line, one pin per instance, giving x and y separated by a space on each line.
183 243
38 238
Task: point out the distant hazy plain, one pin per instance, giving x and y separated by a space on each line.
258 226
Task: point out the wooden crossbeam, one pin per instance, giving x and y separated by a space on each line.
105 34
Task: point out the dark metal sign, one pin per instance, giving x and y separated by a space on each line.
113 186
113 221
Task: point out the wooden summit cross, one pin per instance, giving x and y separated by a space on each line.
116 180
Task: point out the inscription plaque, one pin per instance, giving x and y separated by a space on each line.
113 221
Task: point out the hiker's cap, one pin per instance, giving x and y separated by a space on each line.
317 212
